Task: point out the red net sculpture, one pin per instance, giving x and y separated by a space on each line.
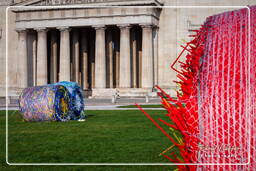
215 108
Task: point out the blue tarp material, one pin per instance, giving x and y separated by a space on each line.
62 101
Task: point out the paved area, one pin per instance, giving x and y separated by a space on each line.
103 104
96 108
121 101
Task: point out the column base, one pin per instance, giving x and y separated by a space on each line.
128 92
135 92
12 98
103 92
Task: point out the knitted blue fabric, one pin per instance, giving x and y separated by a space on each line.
61 101
76 100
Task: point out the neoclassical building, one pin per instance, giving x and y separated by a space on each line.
104 45
100 48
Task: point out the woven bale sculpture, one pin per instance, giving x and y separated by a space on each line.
218 121
76 100
53 102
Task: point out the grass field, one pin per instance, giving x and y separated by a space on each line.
105 137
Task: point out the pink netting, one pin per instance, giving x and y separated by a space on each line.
218 121
224 92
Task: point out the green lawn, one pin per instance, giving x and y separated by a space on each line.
105 137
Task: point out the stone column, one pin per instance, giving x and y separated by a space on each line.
75 55
110 58
155 38
100 58
34 52
140 69
64 54
125 57
23 62
147 57
93 68
139 53
117 68
117 57
31 57
134 59
42 56
54 56
84 49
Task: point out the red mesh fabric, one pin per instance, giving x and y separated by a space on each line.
223 93
218 80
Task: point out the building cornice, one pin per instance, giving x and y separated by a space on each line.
89 3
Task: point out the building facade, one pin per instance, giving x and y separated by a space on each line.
104 45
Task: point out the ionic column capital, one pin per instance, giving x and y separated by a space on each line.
41 29
124 26
149 26
64 28
99 27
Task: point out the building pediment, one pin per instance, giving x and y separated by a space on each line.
89 2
